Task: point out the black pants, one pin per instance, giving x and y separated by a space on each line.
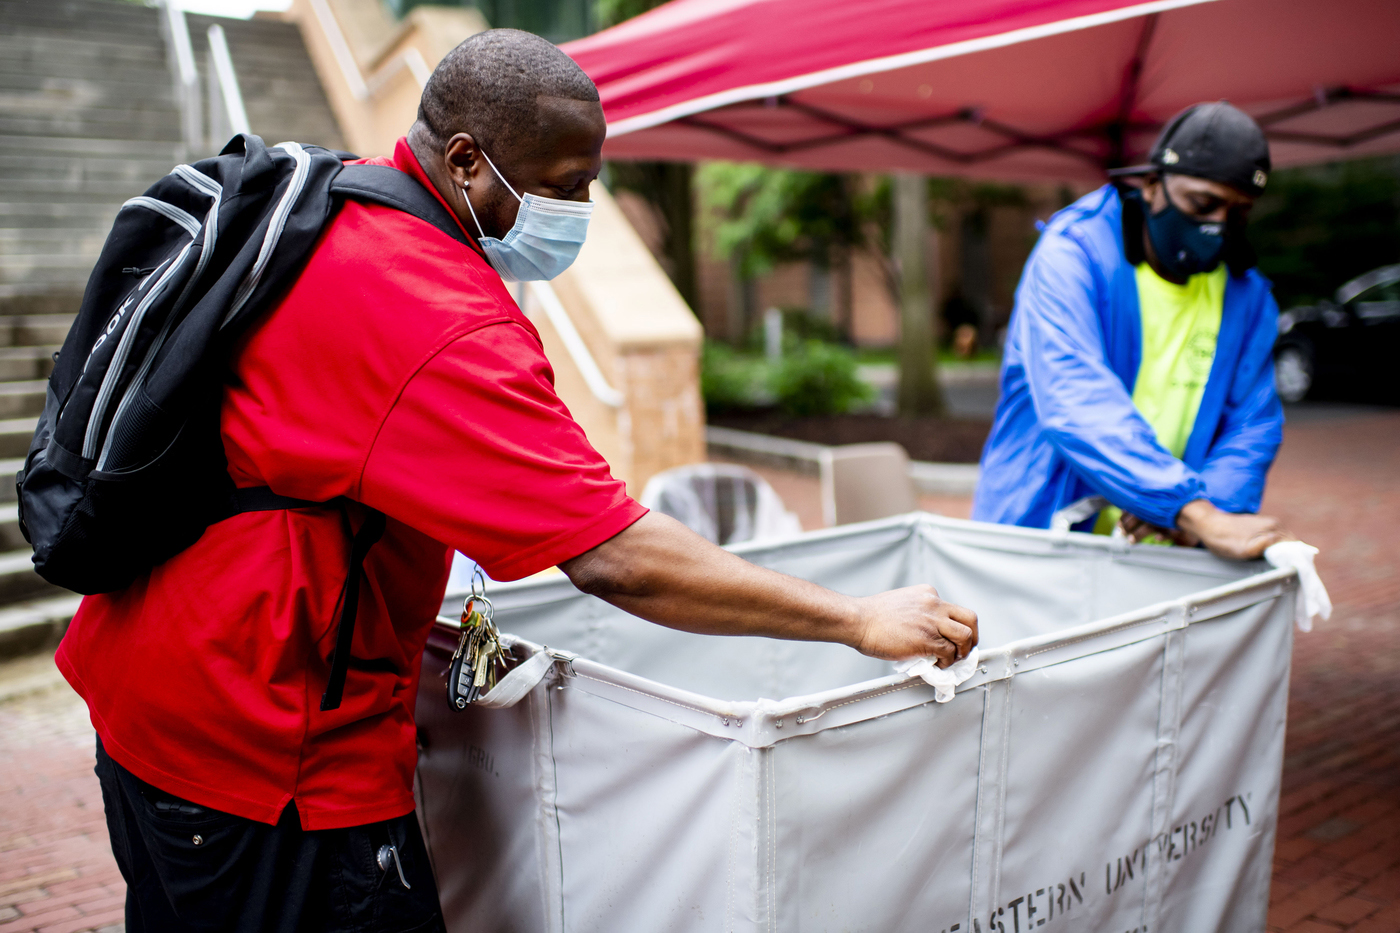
190 868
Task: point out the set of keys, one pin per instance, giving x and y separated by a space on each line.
473 669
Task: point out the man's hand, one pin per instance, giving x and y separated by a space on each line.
1228 535
914 622
662 571
1139 531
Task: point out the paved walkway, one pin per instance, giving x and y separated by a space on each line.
1338 859
56 870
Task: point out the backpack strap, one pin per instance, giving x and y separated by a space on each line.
376 184
383 184
263 499
371 530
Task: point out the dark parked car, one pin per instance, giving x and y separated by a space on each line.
1346 347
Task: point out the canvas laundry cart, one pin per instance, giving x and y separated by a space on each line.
1112 766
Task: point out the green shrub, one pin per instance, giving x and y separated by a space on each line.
729 381
818 379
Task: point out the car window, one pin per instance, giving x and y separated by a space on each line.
1385 291
1380 301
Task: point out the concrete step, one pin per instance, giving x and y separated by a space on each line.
15 435
131 124
20 274
96 218
11 538
19 364
18 581
53 302
16 243
34 330
77 13
57 298
49 76
22 397
103 117
137 37
63 170
71 54
78 191
36 624
47 146
36 196
93 21
8 468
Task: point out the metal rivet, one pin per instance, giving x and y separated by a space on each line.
1016 663
779 723
197 840
725 720
983 668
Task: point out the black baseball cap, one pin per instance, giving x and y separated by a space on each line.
1216 141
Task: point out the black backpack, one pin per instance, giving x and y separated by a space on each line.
127 465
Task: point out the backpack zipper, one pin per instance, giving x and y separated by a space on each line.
109 380
211 236
182 217
274 229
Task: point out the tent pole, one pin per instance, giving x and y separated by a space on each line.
919 390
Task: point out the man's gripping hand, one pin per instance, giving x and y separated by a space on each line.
1229 535
914 622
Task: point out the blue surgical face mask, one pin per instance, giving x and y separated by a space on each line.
545 239
1184 245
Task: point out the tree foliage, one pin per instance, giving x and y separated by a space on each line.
1317 227
611 12
761 216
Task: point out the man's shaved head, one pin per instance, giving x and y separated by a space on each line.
489 87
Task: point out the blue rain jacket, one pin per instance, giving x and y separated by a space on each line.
1066 426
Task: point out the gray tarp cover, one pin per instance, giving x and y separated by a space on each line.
1113 766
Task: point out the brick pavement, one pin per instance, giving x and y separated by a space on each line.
1337 865
1337 862
56 870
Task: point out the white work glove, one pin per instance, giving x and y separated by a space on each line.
1312 595
941 679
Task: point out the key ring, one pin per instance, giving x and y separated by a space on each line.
469 606
474 597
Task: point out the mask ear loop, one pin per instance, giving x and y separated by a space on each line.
480 232
499 175
503 181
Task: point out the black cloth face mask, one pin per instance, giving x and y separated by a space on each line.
1184 245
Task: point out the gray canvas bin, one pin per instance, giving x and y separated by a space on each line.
1113 765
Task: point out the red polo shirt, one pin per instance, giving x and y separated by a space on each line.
397 372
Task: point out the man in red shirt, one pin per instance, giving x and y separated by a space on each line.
398 373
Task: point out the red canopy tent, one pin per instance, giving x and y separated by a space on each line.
1015 89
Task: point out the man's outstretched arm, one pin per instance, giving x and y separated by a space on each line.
661 571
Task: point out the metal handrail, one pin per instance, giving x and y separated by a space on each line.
340 49
180 57
411 59
225 99
360 87
578 350
226 114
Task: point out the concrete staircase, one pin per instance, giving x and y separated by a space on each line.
88 119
